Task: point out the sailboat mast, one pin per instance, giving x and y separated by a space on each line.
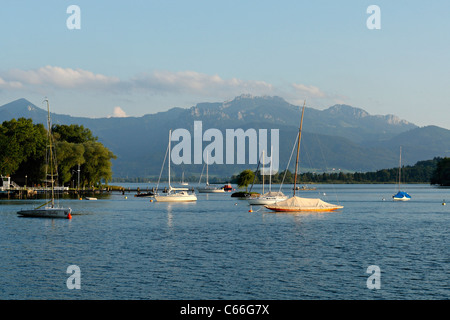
262 172
400 169
170 137
49 128
270 174
298 146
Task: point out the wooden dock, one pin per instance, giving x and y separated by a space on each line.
33 193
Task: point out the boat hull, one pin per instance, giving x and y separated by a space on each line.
401 196
401 199
176 198
265 201
206 190
304 209
57 213
145 195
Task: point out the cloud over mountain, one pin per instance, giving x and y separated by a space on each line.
195 83
159 88
119 113
159 82
311 91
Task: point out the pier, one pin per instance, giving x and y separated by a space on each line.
39 192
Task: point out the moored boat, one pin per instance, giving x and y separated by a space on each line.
209 188
400 195
227 187
174 194
49 209
268 197
47 212
298 204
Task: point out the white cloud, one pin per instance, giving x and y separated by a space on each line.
169 87
61 77
192 82
119 113
10 84
161 83
310 91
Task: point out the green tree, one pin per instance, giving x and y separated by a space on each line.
73 133
69 155
23 147
21 141
245 178
78 146
97 163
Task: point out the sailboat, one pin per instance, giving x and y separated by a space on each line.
175 194
49 209
268 197
182 180
401 195
208 188
298 204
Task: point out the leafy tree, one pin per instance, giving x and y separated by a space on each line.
23 147
245 178
73 133
78 146
69 155
21 141
97 163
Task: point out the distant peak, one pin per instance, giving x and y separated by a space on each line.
392 119
21 106
21 101
348 110
244 96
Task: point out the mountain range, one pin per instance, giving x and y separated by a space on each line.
341 137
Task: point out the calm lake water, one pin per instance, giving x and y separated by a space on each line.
131 248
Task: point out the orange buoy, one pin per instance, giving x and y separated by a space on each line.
69 216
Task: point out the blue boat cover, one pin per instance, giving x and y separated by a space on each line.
402 194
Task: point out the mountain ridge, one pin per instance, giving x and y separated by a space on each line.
340 136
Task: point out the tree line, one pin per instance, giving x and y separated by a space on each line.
23 147
436 171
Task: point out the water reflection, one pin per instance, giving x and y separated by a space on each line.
169 215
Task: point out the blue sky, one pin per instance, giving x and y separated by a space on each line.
131 58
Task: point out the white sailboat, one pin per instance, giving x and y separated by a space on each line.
49 209
182 180
298 204
268 197
175 194
400 195
208 188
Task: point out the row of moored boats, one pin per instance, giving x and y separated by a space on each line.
275 201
